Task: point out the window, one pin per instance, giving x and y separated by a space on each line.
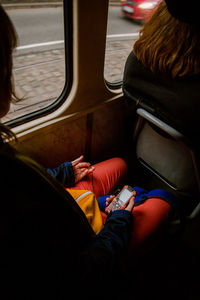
39 60
122 31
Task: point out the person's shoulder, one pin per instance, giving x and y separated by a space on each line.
134 65
132 58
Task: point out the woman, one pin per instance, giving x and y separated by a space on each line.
163 71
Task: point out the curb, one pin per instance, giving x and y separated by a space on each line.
32 5
45 4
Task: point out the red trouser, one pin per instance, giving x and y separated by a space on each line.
107 176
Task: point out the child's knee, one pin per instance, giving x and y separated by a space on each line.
120 165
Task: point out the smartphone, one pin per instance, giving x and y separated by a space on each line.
122 199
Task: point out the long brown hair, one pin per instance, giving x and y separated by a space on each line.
169 46
8 42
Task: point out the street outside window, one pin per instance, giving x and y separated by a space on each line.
125 18
39 60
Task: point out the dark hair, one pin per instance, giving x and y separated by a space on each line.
8 42
184 10
168 45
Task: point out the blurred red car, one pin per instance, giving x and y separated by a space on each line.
138 9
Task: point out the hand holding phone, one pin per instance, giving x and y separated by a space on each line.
122 199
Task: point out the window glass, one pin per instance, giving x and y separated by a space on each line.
125 19
39 66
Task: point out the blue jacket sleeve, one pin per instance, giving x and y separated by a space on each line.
64 174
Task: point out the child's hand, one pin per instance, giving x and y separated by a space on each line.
109 199
81 169
129 207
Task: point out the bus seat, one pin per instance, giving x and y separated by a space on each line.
168 159
42 231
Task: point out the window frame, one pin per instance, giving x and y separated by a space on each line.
114 85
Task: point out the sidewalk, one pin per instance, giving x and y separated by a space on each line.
40 76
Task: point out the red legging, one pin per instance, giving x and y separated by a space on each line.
106 177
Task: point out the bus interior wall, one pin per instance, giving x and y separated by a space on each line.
99 134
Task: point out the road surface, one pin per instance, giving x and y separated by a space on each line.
40 25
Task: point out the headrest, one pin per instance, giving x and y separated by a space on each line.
185 11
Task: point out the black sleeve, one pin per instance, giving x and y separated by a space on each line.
102 256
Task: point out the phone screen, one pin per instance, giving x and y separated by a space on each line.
125 195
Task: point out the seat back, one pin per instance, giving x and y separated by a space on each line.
164 152
43 231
